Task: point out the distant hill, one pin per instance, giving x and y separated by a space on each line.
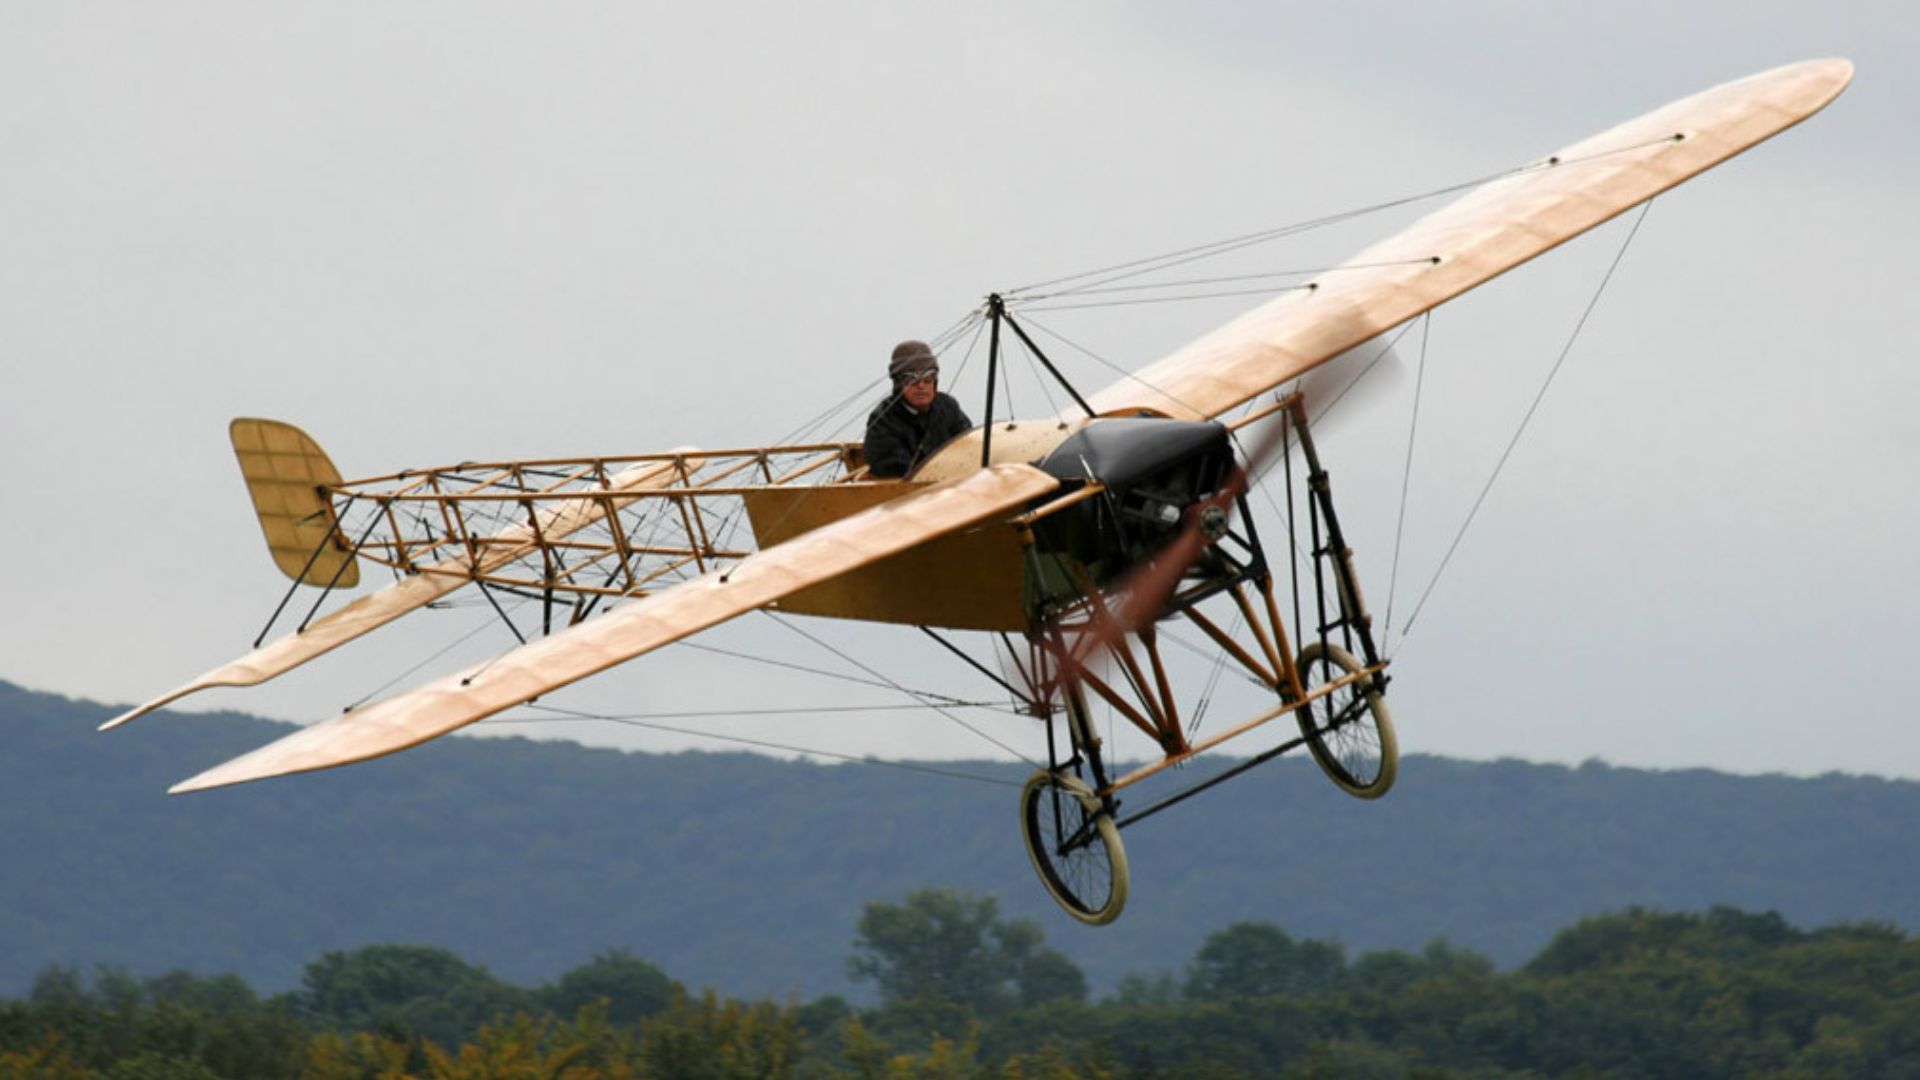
748 874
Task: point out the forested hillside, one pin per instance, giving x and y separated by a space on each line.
749 874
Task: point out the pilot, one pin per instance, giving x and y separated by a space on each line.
915 418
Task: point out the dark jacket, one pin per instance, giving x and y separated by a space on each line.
899 438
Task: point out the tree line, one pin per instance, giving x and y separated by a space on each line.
961 991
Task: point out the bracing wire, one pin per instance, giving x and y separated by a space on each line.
1033 369
920 695
569 715
1565 350
1163 299
428 659
1027 319
1151 263
842 654
973 343
1228 279
1406 475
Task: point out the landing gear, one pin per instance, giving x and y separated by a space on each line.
1074 846
1349 731
1136 542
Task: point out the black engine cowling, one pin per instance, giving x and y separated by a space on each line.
1153 470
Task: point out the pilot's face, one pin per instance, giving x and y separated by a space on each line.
920 389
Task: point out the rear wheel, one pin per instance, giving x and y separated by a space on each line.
1075 847
1349 731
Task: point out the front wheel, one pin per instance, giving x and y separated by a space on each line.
1349 731
1075 847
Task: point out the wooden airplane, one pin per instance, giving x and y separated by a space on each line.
1067 536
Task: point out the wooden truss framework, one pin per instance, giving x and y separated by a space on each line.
573 532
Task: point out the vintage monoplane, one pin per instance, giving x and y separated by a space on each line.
1071 539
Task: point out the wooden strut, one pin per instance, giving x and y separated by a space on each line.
1073 677
1264 718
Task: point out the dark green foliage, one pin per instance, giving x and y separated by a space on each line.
631 988
1396 971
946 947
1726 993
1049 976
174 1026
405 988
945 962
1258 960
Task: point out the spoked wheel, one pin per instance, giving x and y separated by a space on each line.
1075 847
1349 731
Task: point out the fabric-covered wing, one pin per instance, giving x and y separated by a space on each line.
637 627
1490 230
370 612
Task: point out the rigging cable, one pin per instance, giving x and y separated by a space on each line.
575 714
1265 275
1165 299
1028 320
943 712
1033 369
424 661
1152 263
1406 475
922 695
1537 397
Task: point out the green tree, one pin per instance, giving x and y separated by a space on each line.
632 988
1047 976
1250 959
944 951
1440 959
1159 988
418 989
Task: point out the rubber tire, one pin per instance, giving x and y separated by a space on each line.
1330 757
1036 812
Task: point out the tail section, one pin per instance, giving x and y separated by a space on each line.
289 477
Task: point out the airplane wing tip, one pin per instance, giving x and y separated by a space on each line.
204 682
198 782
222 775
151 706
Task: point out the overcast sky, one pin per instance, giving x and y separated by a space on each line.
432 232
